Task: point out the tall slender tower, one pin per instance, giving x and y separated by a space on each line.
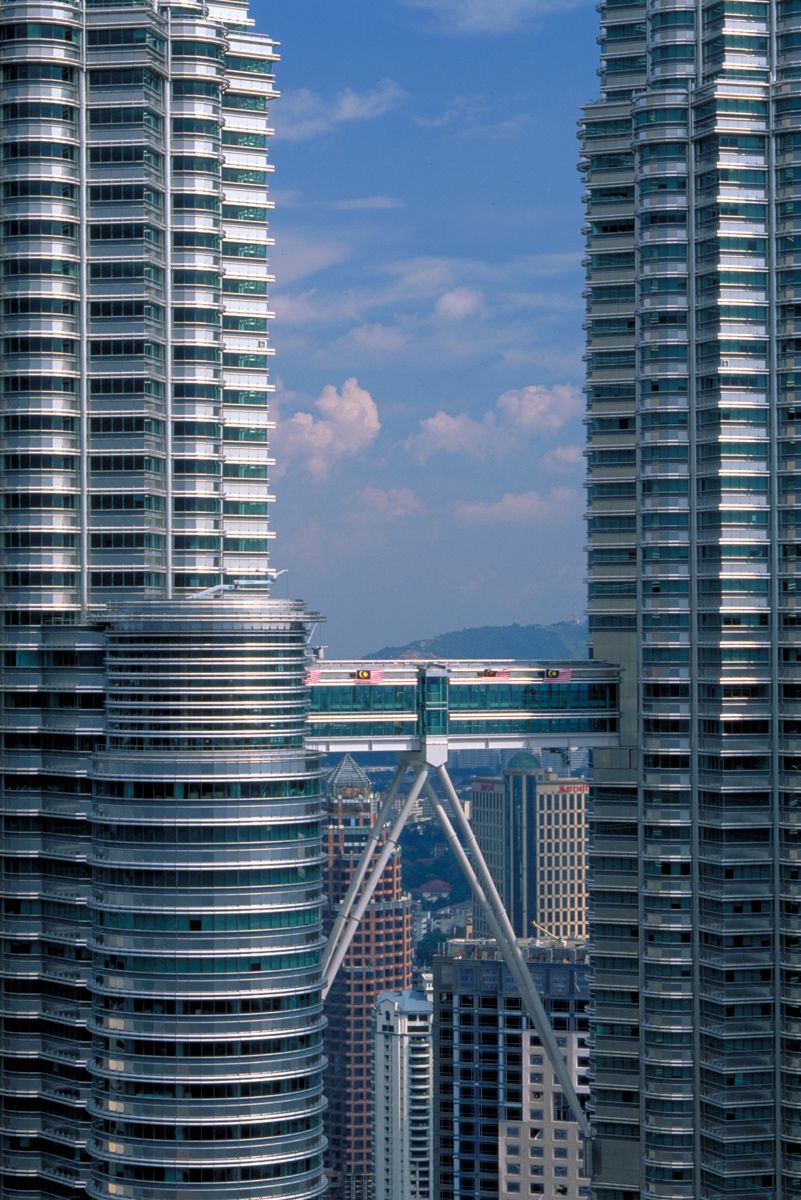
161 1012
402 1097
692 162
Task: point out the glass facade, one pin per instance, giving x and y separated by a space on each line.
691 164
205 908
501 1124
161 881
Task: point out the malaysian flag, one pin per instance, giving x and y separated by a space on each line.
559 674
365 676
496 674
312 677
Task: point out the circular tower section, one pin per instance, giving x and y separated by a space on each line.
206 859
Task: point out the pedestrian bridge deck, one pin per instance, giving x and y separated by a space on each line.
384 705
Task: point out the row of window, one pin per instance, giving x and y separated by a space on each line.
135 501
210 923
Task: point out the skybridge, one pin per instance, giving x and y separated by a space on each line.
424 710
381 705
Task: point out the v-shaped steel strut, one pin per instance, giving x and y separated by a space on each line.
433 759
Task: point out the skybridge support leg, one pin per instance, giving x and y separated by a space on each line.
486 894
350 922
373 839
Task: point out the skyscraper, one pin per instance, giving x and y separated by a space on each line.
531 826
162 1025
402 1091
502 1127
692 164
379 960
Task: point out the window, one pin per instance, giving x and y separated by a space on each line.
38 30
40 266
18 150
244 175
250 66
139 35
31 110
242 100
195 164
125 115
244 212
253 141
125 231
110 155
126 77
195 87
196 125
38 73
35 188
40 228
184 48
195 201
195 239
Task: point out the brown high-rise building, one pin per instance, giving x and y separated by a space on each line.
379 960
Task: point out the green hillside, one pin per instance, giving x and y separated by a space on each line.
565 640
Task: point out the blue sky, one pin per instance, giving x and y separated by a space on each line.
428 311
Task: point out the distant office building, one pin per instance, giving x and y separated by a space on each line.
403 1097
379 960
502 1128
531 826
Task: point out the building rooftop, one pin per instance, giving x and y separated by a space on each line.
409 1003
348 777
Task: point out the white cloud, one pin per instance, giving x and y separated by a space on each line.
376 340
345 424
444 434
563 458
540 409
522 506
365 204
305 114
459 303
298 257
486 16
416 277
471 116
461 109
525 411
392 502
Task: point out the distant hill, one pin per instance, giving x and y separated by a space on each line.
566 640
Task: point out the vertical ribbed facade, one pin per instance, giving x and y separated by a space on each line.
206 919
692 162
402 1096
134 407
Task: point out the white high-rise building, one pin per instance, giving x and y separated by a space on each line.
692 168
161 891
403 1088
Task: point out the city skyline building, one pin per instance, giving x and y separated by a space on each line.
161 870
692 168
502 1127
402 1090
379 960
531 826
